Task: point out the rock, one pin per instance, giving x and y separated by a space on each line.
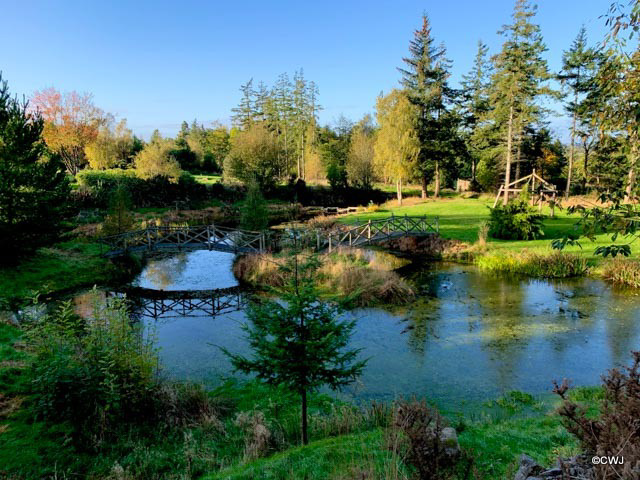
528 466
578 468
449 439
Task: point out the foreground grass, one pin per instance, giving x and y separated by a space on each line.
63 266
520 424
460 218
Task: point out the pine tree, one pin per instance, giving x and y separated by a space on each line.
299 342
244 114
475 105
518 81
254 212
425 78
578 71
33 185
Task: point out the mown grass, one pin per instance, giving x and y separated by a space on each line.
460 219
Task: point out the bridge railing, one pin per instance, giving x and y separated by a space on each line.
376 230
183 237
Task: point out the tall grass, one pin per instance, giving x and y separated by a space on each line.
554 265
623 271
352 275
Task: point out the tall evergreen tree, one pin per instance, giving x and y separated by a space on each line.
33 186
577 75
244 114
519 80
475 105
425 78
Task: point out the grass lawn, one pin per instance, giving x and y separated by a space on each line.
208 179
459 218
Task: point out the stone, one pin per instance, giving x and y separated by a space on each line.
528 466
449 440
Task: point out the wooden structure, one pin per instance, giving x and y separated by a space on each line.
183 303
375 231
541 191
201 237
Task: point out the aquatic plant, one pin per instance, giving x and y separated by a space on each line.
553 265
623 271
355 275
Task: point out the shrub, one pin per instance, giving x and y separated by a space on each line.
554 265
98 375
97 187
616 429
623 272
515 221
254 213
92 374
416 434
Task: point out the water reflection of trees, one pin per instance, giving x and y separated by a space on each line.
164 272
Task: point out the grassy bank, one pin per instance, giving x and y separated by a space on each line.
60 267
551 265
460 219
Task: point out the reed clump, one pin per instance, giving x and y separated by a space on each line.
359 277
553 265
623 271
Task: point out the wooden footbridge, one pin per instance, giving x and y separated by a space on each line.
212 237
375 231
200 237
183 303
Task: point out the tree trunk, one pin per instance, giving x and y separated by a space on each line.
586 167
436 191
507 171
473 170
399 190
424 187
631 177
518 161
571 152
305 435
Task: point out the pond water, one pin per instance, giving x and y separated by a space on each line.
469 337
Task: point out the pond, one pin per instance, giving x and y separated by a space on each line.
469 337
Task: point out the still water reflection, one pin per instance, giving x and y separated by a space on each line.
469 337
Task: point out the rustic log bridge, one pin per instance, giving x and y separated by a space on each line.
183 303
223 239
374 231
199 237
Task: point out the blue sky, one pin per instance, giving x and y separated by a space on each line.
157 63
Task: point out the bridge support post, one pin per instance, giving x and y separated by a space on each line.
369 231
330 236
208 237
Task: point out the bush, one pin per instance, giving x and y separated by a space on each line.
515 221
417 435
623 272
616 429
97 188
554 265
99 376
